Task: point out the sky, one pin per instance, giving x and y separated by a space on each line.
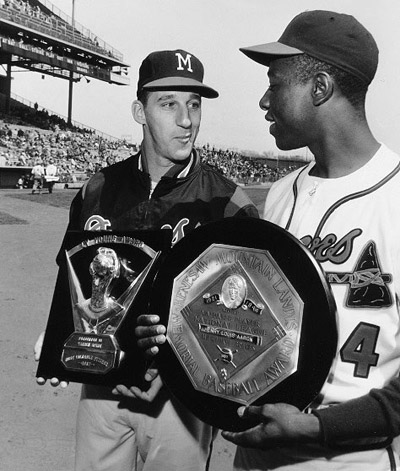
213 30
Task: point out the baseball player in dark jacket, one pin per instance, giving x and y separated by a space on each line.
164 186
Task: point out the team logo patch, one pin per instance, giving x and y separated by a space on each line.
184 62
367 283
97 223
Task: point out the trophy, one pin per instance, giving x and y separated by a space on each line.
250 319
104 281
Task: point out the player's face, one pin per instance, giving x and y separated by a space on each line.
288 107
172 122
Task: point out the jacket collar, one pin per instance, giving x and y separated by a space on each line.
177 170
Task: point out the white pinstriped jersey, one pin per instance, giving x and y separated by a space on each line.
352 227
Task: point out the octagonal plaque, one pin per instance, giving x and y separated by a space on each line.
240 320
250 320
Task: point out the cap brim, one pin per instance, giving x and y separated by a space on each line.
265 53
182 84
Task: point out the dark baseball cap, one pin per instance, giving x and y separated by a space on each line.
335 38
173 70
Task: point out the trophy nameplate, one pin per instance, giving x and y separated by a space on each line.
104 282
250 319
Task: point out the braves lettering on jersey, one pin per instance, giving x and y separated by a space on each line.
178 231
97 223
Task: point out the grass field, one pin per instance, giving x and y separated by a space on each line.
6 218
59 199
63 198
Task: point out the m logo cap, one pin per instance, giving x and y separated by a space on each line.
335 38
173 70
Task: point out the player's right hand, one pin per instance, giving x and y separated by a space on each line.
37 350
150 334
134 392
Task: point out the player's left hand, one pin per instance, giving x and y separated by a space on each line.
134 392
37 350
279 425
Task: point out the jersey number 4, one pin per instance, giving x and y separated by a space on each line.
360 349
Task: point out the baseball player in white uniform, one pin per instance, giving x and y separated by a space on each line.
344 208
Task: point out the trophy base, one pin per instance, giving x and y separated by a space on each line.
91 353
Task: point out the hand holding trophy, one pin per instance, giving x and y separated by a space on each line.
103 282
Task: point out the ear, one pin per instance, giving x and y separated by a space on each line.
323 87
138 112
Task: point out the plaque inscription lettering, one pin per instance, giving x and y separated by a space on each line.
235 323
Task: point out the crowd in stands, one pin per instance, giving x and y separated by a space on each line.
22 11
242 169
24 7
80 154
38 117
29 136
77 155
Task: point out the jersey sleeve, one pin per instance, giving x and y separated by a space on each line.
74 218
375 417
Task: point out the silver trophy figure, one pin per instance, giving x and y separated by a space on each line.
101 314
93 346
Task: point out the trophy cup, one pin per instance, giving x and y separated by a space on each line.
250 319
104 280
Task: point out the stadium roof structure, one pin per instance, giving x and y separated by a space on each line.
36 35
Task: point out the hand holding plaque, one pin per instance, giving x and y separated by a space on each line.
250 318
104 279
